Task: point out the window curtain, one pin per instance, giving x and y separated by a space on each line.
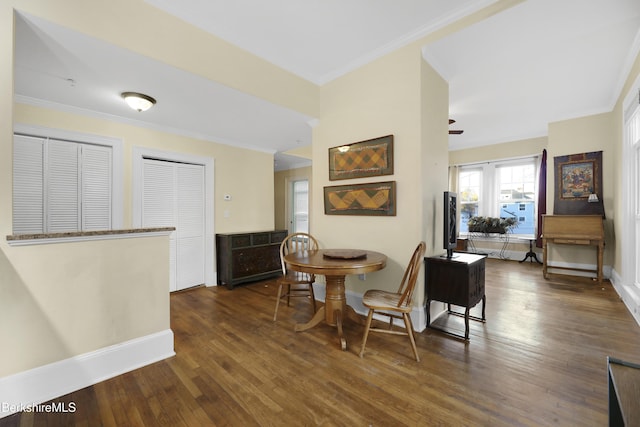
542 196
453 178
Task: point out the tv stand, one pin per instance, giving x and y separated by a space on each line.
458 281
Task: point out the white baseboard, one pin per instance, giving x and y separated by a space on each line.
629 294
24 390
567 267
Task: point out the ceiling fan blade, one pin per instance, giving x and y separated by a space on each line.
455 132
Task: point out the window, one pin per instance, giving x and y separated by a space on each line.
505 189
469 196
61 185
631 204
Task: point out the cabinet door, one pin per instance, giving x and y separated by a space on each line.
448 281
476 282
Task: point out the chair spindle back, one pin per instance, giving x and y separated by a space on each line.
408 284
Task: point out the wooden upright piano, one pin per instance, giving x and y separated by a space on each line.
573 230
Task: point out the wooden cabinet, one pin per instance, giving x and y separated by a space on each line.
458 281
585 230
247 257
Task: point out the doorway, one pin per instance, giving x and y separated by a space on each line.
299 206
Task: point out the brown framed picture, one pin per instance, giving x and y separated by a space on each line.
373 157
373 199
577 177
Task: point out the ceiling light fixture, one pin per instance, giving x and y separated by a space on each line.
138 101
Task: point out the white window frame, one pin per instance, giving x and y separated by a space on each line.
631 192
489 198
481 201
116 160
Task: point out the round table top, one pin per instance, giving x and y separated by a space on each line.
336 262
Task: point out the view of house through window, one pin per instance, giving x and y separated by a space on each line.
469 195
505 189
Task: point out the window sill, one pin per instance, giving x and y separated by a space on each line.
83 236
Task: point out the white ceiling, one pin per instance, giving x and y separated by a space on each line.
509 76
538 62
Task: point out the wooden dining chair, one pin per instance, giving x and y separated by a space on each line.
395 305
295 283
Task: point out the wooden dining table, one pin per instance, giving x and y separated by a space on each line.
335 265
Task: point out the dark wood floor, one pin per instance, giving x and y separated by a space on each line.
539 360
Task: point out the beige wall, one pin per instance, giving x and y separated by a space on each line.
137 26
235 168
600 132
581 135
617 178
282 180
507 150
65 299
385 97
48 292
434 158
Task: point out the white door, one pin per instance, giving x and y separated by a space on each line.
173 196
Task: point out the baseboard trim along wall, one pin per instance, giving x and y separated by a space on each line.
629 293
24 390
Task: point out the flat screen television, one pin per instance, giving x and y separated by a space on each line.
450 228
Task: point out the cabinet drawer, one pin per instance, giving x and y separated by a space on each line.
278 236
240 241
572 241
260 239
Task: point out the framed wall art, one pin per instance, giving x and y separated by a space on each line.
373 157
578 184
374 199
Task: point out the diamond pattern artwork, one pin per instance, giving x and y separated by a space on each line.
367 158
362 159
361 199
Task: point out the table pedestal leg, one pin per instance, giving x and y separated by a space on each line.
335 300
343 340
317 318
335 309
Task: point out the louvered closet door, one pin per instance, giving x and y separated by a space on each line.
173 196
63 193
190 225
158 204
28 185
96 187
